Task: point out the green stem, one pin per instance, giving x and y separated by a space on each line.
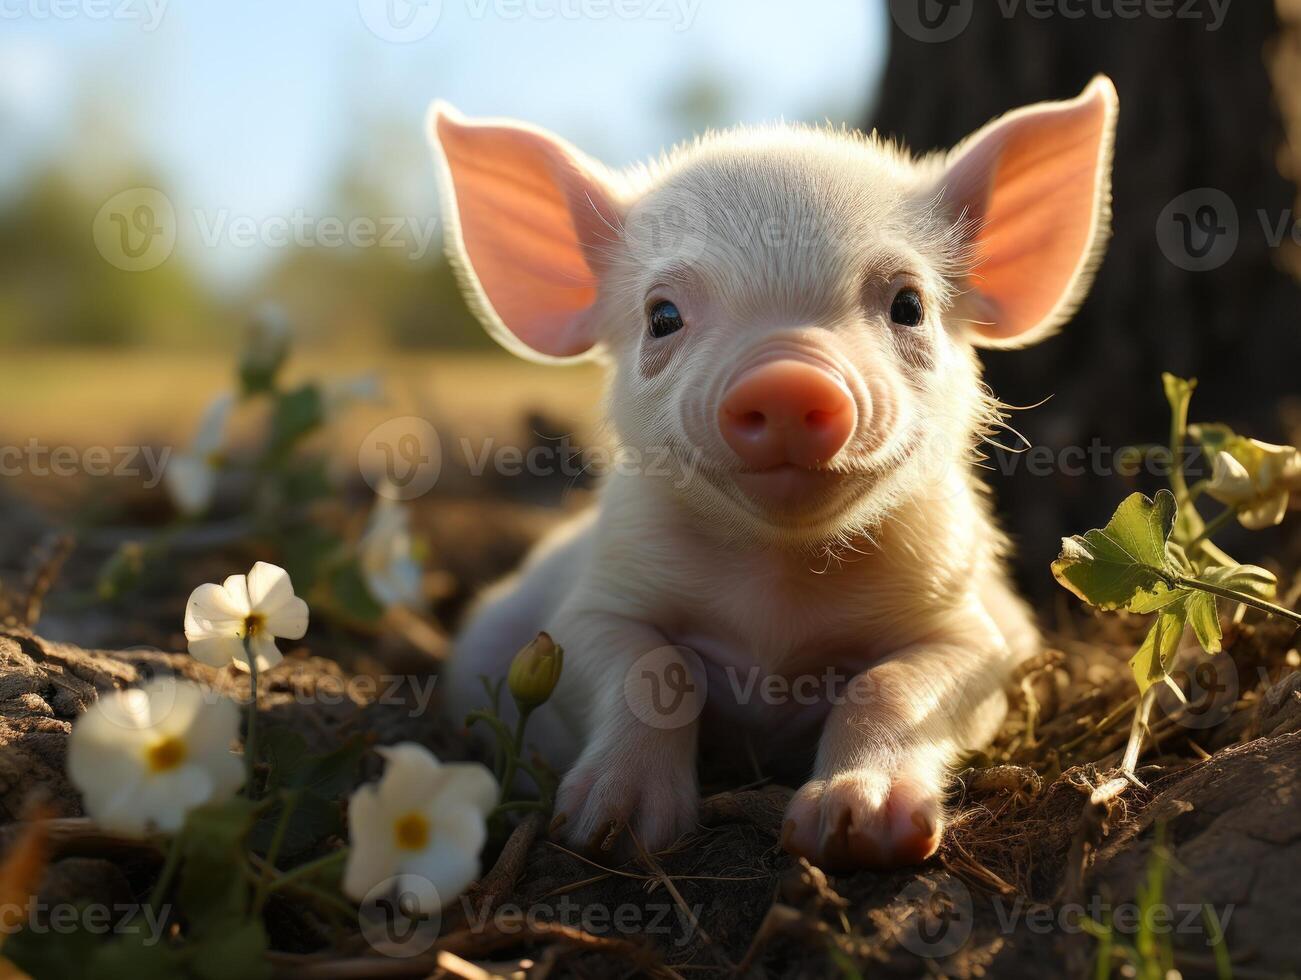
250 739
503 734
1211 527
172 862
273 851
293 876
512 757
325 898
1236 596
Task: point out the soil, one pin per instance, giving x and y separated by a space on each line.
1043 832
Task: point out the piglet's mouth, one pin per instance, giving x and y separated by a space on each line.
789 488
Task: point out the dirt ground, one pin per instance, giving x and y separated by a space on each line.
1042 837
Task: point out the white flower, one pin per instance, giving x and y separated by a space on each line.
191 477
422 819
267 340
1255 478
392 573
146 756
255 608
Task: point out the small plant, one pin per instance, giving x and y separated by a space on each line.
278 493
533 676
155 764
1156 555
1152 954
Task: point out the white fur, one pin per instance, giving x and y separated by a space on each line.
895 577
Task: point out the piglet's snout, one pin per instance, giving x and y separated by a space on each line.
786 412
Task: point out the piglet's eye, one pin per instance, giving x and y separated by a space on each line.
665 319
906 310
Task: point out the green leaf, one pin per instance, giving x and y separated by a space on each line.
135 957
1213 437
293 767
46 952
1152 661
239 952
306 480
318 782
1205 620
353 596
297 414
213 891
122 572
307 549
1179 393
1255 582
1125 565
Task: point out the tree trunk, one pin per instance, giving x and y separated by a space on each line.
1197 111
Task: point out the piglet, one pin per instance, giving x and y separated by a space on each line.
795 548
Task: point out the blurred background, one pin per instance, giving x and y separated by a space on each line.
169 169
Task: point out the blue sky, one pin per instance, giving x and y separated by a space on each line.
253 105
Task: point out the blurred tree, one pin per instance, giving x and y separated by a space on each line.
1197 111
701 100
399 287
55 287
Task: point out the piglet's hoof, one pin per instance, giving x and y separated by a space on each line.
863 820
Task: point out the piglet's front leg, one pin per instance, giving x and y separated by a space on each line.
876 799
640 699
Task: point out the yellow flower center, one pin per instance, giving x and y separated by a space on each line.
254 623
166 755
412 831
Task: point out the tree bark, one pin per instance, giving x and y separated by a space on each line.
1197 111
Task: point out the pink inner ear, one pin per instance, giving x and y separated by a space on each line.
516 196
1043 180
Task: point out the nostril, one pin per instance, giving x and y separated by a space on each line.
751 422
818 420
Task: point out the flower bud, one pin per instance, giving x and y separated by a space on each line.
266 347
535 671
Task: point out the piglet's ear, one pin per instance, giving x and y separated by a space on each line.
1036 187
528 219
